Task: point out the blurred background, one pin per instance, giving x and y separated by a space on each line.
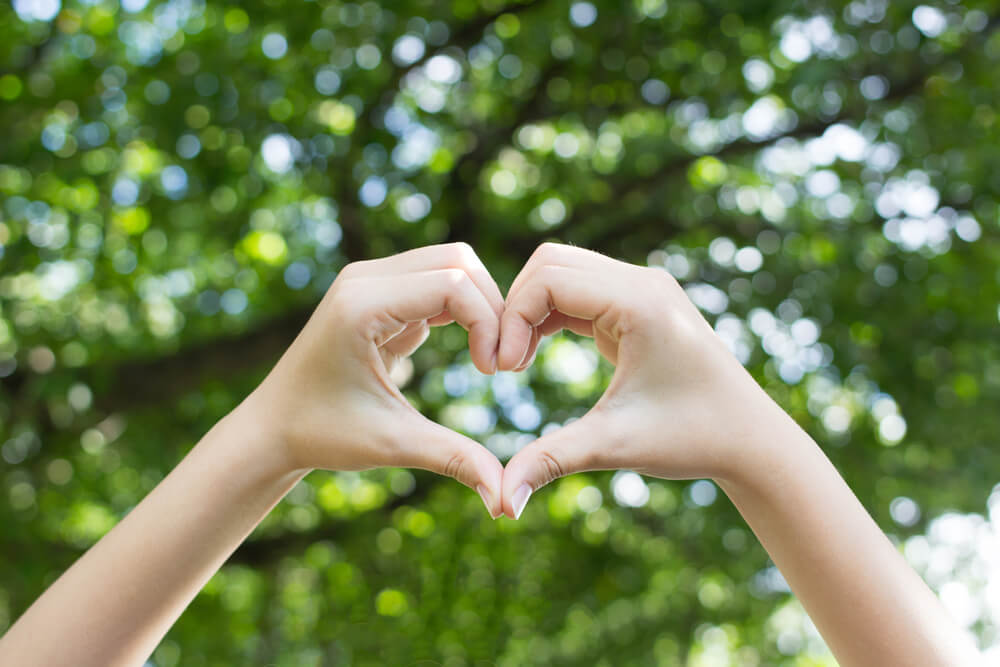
181 180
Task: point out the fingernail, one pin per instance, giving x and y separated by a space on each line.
524 355
485 495
520 499
524 366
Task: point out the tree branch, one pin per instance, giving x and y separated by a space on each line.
467 35
263 550
469 165
626 187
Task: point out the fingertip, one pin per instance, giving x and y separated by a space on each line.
555 455
483 471
431 446
490 500
483 343
515 476
515 338
529 357
515 480
484 359
490 486
519 500
484 367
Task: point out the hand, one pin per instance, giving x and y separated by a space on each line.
679 404
330 398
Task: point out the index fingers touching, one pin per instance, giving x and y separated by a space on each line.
557 288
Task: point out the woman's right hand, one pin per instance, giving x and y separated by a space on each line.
330 403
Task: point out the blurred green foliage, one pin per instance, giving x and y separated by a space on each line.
181 180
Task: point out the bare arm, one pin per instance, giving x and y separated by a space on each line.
119 599
681 406
328 403
869 605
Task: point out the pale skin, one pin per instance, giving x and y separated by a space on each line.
679 406
328 403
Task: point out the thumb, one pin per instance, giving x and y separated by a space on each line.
578 446
430 446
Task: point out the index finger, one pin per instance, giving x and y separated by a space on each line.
425 295
559 254
577 293
443 256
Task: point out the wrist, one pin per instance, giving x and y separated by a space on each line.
776 461
765 443
255 435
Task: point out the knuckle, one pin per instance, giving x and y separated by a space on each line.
459 255
455 276
550 466
546 251
454 466
347 307
660 277
462 251
549 270
548 273
353 269
459 284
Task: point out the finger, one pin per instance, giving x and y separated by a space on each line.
529 355
441 320
557 321
404 343
554 323
428 258
576 293
557 254
576 447
551 254
426 294
433 447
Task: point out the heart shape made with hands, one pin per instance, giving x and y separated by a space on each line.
333 385
680 405
504 335
628 311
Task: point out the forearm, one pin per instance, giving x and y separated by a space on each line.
114 605
870 606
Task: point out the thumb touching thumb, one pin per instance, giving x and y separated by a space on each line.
430 446
573 448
